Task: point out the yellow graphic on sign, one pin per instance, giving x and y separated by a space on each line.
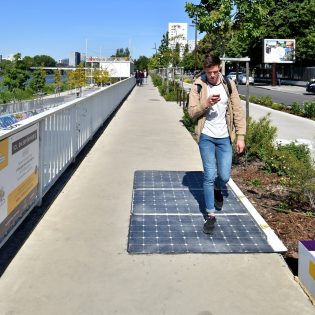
19 193
4 153
312 270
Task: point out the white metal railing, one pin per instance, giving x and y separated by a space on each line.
65 130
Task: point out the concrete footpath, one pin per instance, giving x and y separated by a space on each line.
76 260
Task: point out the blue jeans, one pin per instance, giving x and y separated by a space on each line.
216 155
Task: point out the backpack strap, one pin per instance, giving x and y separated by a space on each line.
228 83
199 87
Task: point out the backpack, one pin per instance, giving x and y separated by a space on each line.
199 87
226 80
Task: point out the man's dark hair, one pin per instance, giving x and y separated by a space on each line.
211 60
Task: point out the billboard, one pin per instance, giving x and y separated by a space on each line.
279 50
19 157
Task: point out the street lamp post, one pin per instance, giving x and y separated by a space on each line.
195 26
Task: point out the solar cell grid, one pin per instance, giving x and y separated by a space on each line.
167 217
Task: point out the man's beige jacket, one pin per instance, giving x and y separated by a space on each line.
234 115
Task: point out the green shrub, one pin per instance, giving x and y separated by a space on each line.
262 100
188 122
156 79
254 99
277 106
49 88
294 162
5 96
266 100
309 109
260 138
187 80
171 97
296 109
299 151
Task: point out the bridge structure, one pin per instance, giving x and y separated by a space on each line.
57 68
115 181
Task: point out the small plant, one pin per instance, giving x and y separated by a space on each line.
187 80
256 182
277 106
309 109
188 122
283 206
266 100
262 100
296 109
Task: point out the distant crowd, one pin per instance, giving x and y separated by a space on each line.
141 76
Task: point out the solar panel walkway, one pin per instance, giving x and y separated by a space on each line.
167 216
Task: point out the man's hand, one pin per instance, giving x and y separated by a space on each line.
240 146
212 100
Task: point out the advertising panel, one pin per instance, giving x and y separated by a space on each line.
19 155
279 50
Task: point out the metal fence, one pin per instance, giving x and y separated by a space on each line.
63 132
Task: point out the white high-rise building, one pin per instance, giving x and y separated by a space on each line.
177 33
192 44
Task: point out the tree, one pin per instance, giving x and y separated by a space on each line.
71 79
15 74
212 16
57 80
164 52
293 19
237 27
44 61
225 18
122 53
142 63
38 80
79 76
188 61
101 77
28 61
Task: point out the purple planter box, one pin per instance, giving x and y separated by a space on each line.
306 270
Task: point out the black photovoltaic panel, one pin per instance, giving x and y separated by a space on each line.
183 234
167 179
167 217
184 201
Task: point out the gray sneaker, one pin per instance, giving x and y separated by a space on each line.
209 225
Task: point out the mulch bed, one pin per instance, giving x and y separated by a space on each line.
290 221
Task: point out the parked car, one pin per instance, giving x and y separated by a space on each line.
310 87
241 78
232 75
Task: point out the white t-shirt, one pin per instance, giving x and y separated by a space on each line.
215 125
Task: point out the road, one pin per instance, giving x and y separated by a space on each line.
288 97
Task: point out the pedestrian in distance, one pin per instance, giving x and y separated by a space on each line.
78 91
220 124
141 77
138 78
145 76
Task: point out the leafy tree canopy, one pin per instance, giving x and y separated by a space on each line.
15 74
237 27
121 52
44 61
38 81
142 63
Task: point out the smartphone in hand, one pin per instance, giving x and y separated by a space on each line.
216 97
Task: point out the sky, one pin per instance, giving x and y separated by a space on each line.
99 27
